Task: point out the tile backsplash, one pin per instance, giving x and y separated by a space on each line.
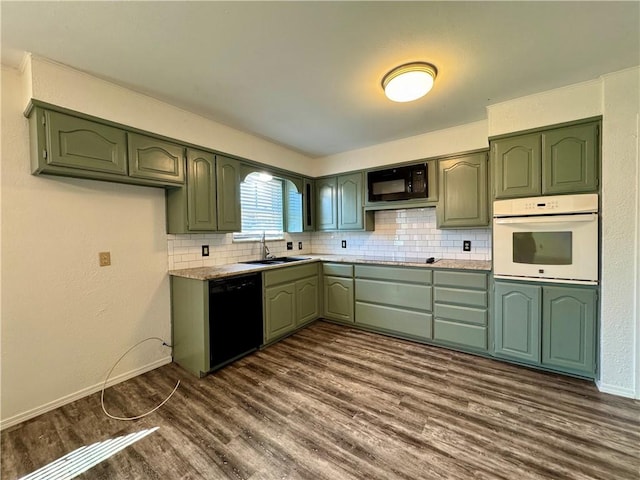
399 235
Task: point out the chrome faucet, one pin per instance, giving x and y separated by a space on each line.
266 254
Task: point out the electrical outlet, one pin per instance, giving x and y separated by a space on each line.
205 250
344 244
299 245
466 245
105 259
289 245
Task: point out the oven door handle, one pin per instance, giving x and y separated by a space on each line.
589 217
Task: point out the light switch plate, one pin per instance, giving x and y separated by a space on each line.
105 259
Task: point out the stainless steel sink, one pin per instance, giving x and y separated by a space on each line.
276 261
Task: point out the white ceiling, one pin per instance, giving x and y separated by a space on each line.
307 74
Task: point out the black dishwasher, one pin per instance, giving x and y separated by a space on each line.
235 318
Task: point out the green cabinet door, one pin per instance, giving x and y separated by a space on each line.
516 166
307 300
201 191
326 204
280 310
192 207
463 198
228 194
517 321
350 205
569 159
154 159
338 298
77 143
308 205
569 329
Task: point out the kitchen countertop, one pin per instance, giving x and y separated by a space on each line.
231 269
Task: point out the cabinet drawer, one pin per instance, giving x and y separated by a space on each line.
461 334
398 294
393 319
409 275
337 269
477 316
459 296
289 274
461 279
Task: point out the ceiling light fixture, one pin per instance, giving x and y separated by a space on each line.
409 82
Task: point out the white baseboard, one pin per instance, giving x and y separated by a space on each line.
615 390
29 414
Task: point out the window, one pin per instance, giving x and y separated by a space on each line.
262 208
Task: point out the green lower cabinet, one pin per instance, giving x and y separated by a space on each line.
338 298
569 329
460 309
291 299
190 324
545 325
280 310
396 300
307 300
517 321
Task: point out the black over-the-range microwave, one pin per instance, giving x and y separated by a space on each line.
400 183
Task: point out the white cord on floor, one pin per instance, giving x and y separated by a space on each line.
111 371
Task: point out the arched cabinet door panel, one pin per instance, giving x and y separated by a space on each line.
463 200
569 329
570 159
154 159
86 145
517 321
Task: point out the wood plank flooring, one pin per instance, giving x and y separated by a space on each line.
336 403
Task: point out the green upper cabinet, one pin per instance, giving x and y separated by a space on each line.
72 146
569 159
463 198
326 204
569 329
517 321
228 194
350 211
517 166
154 159
555 161
192 208
201 191
339 203
308 205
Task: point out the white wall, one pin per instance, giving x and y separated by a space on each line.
620 216
472 136
65 321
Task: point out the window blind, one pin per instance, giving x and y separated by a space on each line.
262 207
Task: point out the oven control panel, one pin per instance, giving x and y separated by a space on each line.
557 204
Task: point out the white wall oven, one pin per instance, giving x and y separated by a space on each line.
550 239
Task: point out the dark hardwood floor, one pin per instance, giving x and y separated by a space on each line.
336 403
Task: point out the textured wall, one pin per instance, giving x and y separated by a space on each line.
620 216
